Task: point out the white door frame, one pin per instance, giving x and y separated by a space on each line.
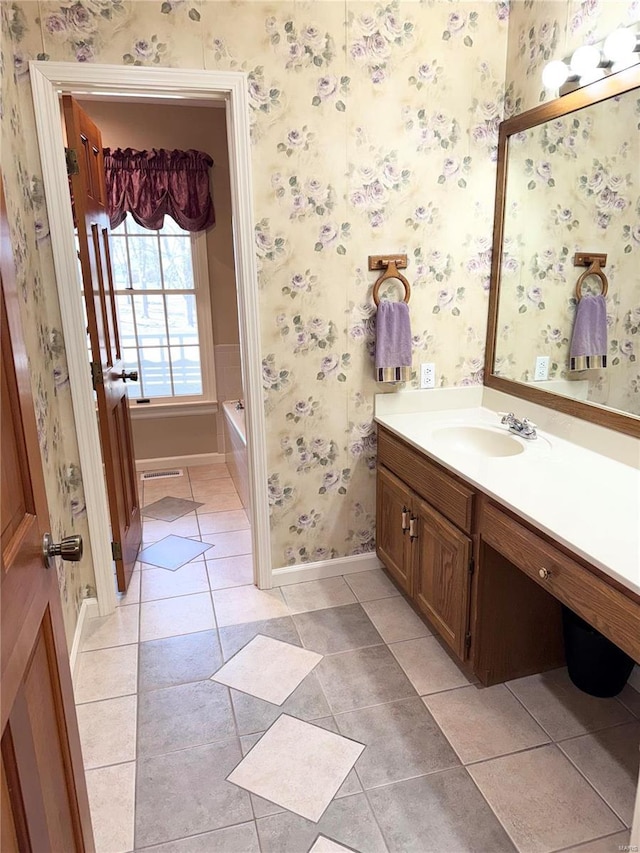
48 80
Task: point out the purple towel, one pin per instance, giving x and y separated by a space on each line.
393 342
589 338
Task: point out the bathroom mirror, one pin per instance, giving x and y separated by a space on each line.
568 181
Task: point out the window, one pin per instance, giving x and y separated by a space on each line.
164 314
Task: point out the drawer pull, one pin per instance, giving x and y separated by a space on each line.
405 519
412 528
545 574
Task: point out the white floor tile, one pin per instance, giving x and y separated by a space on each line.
106 673
322 844
132 595
298 766
171 617
427 666
247 604
371 585
108 731
222 522
187 580
120 628
154 529
230 571
317 595
268 669
112 802
228 544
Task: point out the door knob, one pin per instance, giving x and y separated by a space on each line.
69 549
131 374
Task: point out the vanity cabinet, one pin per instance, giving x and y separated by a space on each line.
426 554
490 584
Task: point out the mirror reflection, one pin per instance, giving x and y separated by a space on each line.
573 185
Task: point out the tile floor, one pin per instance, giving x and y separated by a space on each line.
323 717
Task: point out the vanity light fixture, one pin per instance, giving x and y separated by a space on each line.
592 62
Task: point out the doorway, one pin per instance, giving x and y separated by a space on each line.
49 80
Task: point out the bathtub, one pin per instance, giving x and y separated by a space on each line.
235 439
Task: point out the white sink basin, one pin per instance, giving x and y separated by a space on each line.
478 441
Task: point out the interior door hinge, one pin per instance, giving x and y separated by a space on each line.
71 157
97 374
472 566
467 639
116 550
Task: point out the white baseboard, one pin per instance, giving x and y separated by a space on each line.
325 569
179 461
88 609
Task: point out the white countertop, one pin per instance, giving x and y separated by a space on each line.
581 498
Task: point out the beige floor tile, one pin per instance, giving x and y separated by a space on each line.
484 723
230 571
171 617
277 768
609 844
187 580
630 698
317 595
561 709
175 487
221 503
107 673
243 604
112 802
120 628
153 529
610 761
268 669
199 473
371 585
205 490
396 620
228 544
427 666
222 522
108 731
132 595
542 801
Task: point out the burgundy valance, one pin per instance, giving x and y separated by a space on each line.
150 184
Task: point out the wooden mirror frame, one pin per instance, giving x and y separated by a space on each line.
602 90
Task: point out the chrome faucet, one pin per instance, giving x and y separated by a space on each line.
524 428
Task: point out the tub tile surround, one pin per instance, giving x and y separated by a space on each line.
406 752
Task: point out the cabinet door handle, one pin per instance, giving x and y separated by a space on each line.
545 574
405 519
412 527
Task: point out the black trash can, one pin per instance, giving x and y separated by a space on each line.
595 664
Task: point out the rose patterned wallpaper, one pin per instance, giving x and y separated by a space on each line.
577 179
374 129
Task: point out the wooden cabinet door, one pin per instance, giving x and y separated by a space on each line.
393 504
442 577
43 792
89 196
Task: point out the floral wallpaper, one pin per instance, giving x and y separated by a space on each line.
577 179
41 317
374 129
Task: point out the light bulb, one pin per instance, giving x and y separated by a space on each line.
619 44
624 63
585 59
591 76
555 74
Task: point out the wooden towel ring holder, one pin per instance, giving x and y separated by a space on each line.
391 271
596 262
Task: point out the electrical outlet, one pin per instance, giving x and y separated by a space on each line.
427 375
542 368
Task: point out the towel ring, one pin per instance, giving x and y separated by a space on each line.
391 272
594 269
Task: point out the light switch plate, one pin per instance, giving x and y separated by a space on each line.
427 375
542 368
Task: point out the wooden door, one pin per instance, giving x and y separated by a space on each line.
43 792
89 196
393 500
442 576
